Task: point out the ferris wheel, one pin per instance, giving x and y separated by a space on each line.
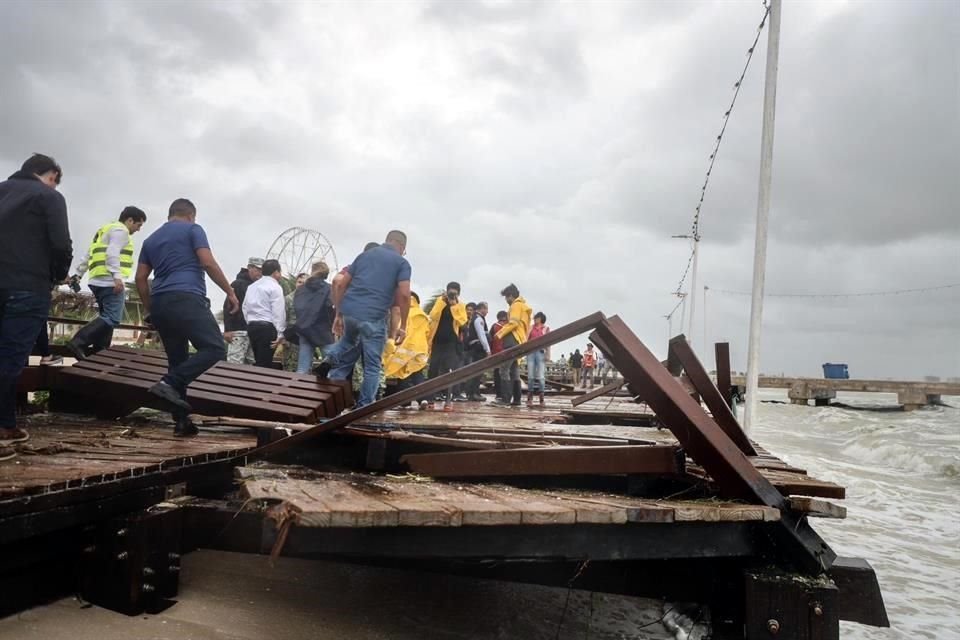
298 248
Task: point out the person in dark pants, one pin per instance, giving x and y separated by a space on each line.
496 346
178 254
513 333
108 263
478 348
35 251
447 316
265 311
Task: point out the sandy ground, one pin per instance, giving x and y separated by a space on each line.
241 597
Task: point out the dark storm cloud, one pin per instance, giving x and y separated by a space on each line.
557 145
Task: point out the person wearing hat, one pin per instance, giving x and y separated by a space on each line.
234 324
265 310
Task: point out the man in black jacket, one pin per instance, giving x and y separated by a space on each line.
35 252
234 324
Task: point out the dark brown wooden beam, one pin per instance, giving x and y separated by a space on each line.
436 384
549 461
722 354
704 386
596 393
709 445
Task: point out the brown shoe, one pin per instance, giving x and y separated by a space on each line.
12 436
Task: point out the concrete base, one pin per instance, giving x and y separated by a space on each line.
912 399
804 391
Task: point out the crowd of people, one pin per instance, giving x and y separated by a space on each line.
365 324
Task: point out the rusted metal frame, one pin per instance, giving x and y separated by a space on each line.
658 460
439 383
724 384
707 444
596 393
711 395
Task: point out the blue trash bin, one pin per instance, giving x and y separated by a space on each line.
835 371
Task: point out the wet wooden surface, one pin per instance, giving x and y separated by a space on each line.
66 452
320 499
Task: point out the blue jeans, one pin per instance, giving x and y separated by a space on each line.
305 355
359 338
183 319
536 371
110 303
22 318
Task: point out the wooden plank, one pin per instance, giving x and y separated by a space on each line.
719 408
721 352
534 508
252 386
420 503
339 394
817 508
707 443
326 503
201 401
596 393
228 394
631 509
434 385
560 460
226 373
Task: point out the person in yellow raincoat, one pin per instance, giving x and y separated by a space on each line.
405 365
515 332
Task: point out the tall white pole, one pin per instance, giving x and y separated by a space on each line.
763 213
706 342
693 290
683 310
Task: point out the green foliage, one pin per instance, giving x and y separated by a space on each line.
427 305
40 399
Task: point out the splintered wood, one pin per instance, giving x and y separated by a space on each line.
357 500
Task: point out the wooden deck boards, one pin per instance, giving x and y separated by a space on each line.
473 419
68 451
359 500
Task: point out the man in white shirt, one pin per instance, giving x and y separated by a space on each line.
265 311
108 263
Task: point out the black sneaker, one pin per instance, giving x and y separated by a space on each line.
165 392
460 398
322 370
185 428
477 398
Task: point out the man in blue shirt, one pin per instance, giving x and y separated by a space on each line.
378 280
178 255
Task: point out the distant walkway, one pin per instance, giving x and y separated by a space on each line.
911 394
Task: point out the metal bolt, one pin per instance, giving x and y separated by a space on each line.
173 556
90 549
173 568
122 532
817 609
147 571
773 627
147 588
123 555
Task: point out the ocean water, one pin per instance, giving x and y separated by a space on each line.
902 474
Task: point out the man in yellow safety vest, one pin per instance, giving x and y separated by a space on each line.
108 262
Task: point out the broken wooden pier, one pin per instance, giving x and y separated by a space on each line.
659 493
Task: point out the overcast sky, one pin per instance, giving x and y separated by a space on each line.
555 145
